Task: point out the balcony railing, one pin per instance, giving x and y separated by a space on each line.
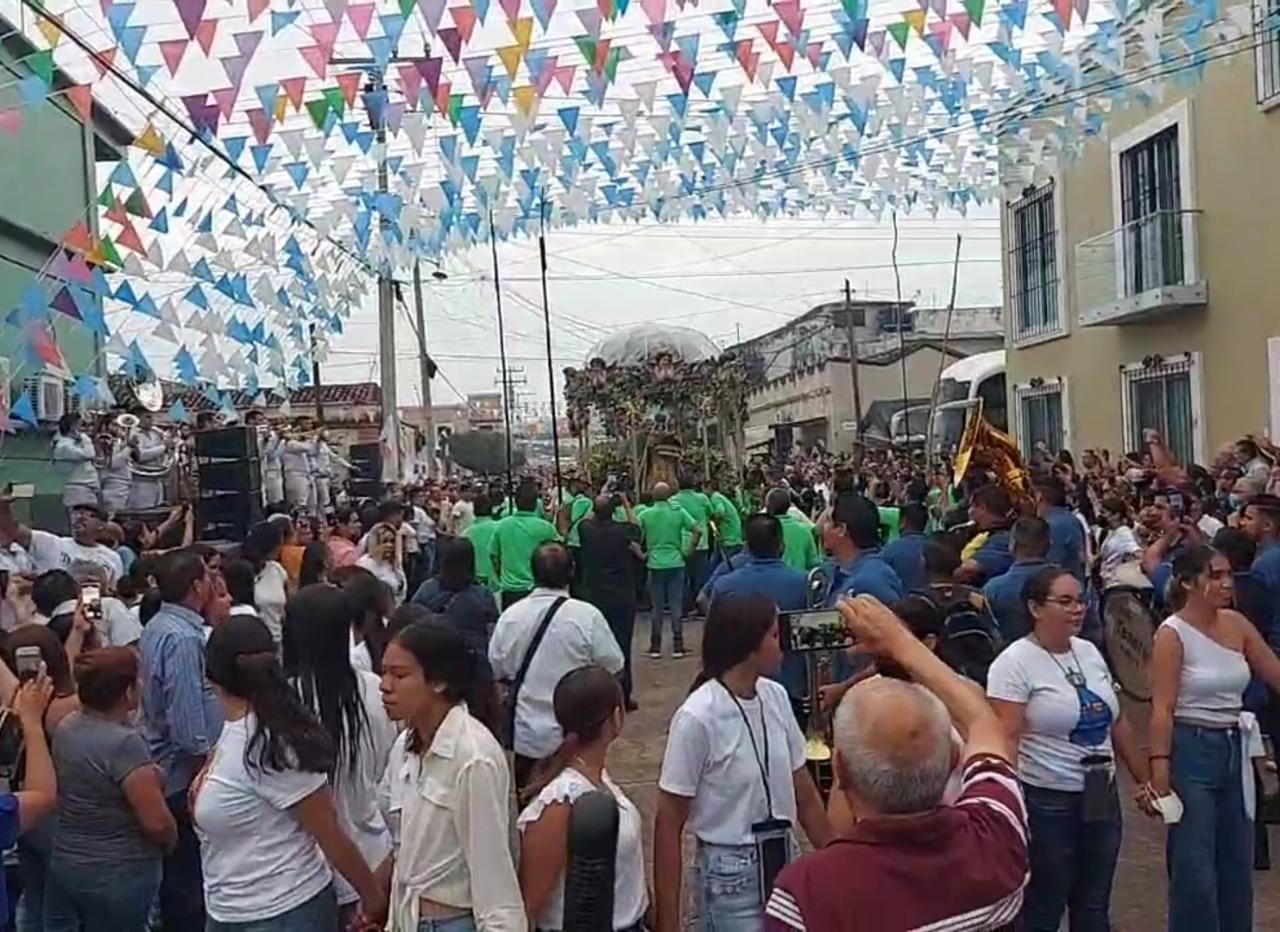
1140 270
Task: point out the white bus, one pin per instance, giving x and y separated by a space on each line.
965 382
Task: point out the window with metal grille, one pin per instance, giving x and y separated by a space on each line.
1267 50
1040 417
1158 396
1151 209
1033 264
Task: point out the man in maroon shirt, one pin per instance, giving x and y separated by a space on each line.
910 862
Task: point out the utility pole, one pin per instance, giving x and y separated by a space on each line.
853 363
502 350
315 377
424 370
546 317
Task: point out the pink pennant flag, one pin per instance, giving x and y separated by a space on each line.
78 270
770 32
226 100
11 121
939 7
786 54
247 43
257 8
106 5
543 81
204 35
1063 9
81 97
962 23
326 35
350 84
564 77
813 52
172 52
293 89
943 30
101 60
656 10
452 40
190 12
410 82
432 13
261 123
791 15
465 19
336 8
875 43
318 58
429 69
361 16
442 97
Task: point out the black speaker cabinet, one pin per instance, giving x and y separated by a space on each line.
227 515
367 460
231 443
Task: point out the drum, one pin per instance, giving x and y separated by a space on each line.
1129 631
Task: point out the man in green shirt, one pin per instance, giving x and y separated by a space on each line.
799 546
728 522
515 538
698 567
663 528
480 533
568 517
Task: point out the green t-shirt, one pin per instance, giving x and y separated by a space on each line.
728 521
579 508
888 522
515 539
664 525
799 549
508 507
480 533
698 506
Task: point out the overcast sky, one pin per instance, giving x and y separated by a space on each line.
715 277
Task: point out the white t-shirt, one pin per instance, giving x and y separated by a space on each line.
424 525
464 515
119 625
709 758
391 576
258 861
355 794
1209 526
630 895
51 552
1050 748
270 593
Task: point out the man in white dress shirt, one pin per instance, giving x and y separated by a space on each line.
149 447
295 459
577 636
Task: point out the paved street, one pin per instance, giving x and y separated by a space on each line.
1139 899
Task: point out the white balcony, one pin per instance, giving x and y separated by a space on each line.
1142 270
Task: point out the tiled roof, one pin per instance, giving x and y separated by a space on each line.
348 394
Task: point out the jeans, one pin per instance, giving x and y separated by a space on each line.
318 914
33 868
112 897
453 924
1209 853
182 884
666 589
697 568
621 618
728 889
1072 863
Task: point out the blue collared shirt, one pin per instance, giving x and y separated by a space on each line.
724 568
183 716
906 556
1004 596
994 556
788 588
1266 570
1066 541
867 573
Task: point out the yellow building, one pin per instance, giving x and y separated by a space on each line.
1140 278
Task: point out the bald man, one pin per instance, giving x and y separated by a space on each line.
663 529
921 863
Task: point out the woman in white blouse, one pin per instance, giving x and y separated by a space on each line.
271 582
384 560
348 704
447 789
588 706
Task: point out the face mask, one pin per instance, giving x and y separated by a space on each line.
1235 501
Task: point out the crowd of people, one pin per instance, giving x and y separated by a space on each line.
343 723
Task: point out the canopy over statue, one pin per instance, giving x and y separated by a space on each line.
665 395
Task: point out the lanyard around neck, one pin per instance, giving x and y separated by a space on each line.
761 762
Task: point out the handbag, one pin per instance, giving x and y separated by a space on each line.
513 687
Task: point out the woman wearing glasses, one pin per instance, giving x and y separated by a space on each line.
1053 692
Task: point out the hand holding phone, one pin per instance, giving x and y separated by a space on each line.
91 601
27 663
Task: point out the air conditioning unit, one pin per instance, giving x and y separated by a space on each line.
48 396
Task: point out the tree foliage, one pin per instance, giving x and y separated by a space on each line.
484 452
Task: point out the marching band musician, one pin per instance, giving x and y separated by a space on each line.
322 459
269 452
117 478
75 449
147 446
295 462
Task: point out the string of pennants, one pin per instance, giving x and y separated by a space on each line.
299 151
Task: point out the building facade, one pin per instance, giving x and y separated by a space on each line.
1138 278
806 397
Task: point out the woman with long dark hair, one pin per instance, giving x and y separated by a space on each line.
262 804
452 869
240 580
271 583
371 607
315 564
454 593
590 710
734 760
317 657
1203 657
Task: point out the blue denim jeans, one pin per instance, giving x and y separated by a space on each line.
453 924
666 590
1072 863
1209 853
318 914
110 898
728 889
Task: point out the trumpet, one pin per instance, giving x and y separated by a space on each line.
129 425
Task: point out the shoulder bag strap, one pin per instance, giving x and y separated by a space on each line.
532 650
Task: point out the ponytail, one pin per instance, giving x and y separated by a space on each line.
584 702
